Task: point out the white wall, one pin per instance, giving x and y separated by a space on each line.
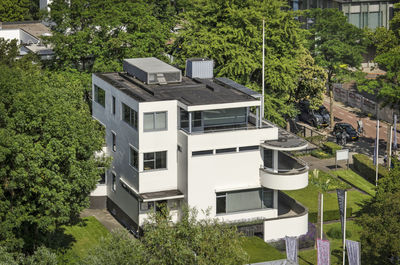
283 181
248 215
279 228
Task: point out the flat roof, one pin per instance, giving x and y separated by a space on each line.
151 65
286 142
190 91
35 28
165 194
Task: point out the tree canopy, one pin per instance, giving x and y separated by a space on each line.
335 44
95 35
47 144
188 241
380 219
230 33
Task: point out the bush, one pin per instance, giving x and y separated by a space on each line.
326 182
366 168
329 215
318 153
316 139
336 232
331 148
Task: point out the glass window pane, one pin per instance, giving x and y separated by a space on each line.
221 205
134 158
134 119
160 120
148 121
268 198
244 200
147 165
126 113
148 156
268 158
161 159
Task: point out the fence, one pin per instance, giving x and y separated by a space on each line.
356 100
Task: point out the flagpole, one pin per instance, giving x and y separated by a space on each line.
390 148
377 153
263 67
344 227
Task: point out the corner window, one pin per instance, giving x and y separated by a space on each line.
129 116
134 158
155 160
155 121
99 96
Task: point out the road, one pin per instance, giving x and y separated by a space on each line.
350 115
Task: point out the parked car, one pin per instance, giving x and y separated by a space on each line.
319 117
352 134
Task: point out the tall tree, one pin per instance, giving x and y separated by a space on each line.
14 10
230 32
188 241
95 35
380 220
335 44
47 166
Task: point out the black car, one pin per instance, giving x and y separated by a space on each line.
319 117
352 134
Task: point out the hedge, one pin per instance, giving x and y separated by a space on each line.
318 153
366 168
329 215
331 148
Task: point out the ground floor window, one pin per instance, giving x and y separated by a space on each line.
243 200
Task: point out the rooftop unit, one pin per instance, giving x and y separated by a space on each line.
152 71
200 68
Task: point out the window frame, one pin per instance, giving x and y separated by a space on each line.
133 116
113 181
155 161
154 114
113 107
96 96
113 141
131 147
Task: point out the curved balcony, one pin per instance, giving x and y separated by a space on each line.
290 174
286 142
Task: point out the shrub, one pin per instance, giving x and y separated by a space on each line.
336 232
329 215
366 168
331 148
318 153
316 139
326 182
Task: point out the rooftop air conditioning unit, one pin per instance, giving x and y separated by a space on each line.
200 68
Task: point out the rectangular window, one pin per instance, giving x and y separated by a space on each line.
155 121
114 142
179 148
134 159
129 116
113 105
244 200
225 150
248 148
99 95
102 176
114 182
203 152
155 160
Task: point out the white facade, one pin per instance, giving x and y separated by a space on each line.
221 171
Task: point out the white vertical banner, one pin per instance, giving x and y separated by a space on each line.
291 248
323 252
353 252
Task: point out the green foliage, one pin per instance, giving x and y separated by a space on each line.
366 168
47 166
325 181
331 147
260 251
95 35
189 241
231 34
316 139
336 232
318 153
356 180
8 51
380 218
42 256
14 10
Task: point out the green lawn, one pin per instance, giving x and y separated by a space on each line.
80 238
356 180
310 256
260 251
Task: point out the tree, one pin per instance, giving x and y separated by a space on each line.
8 51
230 32
96 35
335 44
47 164
380 219
188 241
14 10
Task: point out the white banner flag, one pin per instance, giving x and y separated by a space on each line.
353 252
323 251
291 248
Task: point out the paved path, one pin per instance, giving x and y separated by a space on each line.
104 217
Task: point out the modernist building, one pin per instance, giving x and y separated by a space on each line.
361 13
194 140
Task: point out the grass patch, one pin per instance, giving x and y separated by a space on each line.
318 153
310 256
325 181
260 251
356 180
86 234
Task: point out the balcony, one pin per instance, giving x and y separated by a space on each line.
286 142
282 171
